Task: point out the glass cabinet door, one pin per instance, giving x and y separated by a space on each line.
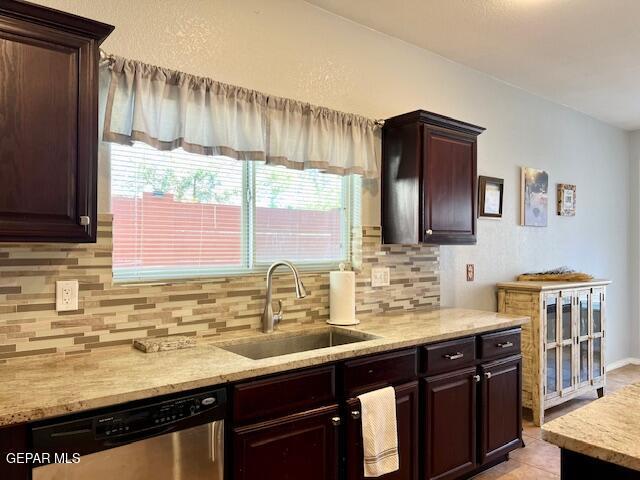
551 377
583 363
583 313
567 317
567 341
568 377
596 311
551 318
596 308
551 334
597 358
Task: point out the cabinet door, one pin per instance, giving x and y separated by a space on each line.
15 439
567 334
300 446
551 332
48 100
501 408
597 311
583 335
449 187
407 418
450 424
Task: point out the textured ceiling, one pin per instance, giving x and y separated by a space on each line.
581 53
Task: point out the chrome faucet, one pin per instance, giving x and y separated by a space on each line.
270 319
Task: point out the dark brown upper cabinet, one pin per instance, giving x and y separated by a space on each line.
48 124
429 179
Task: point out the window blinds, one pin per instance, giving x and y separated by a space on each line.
183 215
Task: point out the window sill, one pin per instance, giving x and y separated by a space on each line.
259 272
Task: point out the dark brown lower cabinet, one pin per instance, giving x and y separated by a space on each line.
450 424
299 446
407 396
14 439
501 411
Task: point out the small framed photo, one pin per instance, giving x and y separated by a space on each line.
566 200
490 193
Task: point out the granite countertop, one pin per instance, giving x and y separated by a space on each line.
607 429
34 389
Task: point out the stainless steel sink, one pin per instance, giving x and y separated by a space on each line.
274 347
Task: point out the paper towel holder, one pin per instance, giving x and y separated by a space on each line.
347 321
338 323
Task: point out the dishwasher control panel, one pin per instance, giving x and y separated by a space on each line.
124 424
156 415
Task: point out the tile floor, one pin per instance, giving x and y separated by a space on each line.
540 460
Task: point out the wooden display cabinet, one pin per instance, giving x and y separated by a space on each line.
564 345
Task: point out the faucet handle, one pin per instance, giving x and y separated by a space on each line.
277 316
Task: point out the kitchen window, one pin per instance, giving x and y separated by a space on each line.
179 215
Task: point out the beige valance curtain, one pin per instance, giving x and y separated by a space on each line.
168 109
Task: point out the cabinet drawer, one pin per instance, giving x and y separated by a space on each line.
499 344
284 394
380 371
448 356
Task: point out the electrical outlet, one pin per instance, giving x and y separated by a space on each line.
379 277
67 295
471 272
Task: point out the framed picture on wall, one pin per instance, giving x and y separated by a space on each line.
534 197
490 193
566 200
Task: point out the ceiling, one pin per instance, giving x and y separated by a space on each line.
584 54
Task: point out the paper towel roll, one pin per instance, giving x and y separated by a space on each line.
342 298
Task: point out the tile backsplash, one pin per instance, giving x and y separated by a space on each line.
112 314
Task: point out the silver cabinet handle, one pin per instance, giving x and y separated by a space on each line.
355 414
453 356
336 421
429 232
476 378
487 374
85 220
505 345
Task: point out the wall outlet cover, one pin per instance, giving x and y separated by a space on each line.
380 277
471 272
67 295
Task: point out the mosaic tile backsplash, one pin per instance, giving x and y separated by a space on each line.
112 314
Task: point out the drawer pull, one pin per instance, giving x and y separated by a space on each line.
355 414
505 345
336 421
454 356
476 378
487 374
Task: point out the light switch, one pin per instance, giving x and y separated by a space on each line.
67 295
380 277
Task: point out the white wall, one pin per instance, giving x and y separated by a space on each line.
293 49
634 241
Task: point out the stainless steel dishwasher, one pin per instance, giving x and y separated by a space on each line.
177 439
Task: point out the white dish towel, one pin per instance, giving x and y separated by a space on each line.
379 432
